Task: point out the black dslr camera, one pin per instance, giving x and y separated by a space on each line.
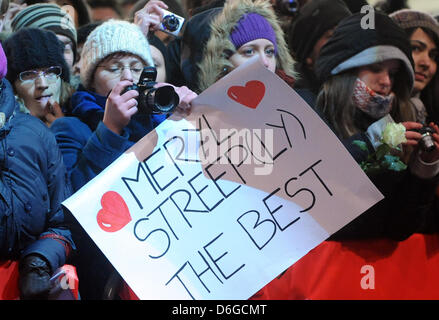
427 141
287 7
150 99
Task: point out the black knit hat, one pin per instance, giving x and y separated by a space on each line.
354 46
314 19
31 48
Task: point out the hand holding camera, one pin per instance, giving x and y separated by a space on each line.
119 107
154 16
150 16
151 99
426 143
147 97
426 137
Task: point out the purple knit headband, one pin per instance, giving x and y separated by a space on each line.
251 27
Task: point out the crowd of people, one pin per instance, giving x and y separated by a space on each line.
65 116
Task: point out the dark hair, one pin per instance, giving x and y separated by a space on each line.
196 6
336 104
209 5
82 10
113 4
390 6
85 30
430 95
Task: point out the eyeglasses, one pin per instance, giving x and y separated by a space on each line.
115 70
50 74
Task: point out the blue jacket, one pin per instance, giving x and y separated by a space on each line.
33 183
87 145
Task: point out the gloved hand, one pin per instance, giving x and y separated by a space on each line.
34 278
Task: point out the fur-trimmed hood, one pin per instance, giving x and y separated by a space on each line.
219 48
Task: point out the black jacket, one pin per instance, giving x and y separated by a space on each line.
33 183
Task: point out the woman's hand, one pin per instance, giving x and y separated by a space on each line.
149 17
120 107
414 137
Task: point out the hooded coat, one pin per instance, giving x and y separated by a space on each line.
219 48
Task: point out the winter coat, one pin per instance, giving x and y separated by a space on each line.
409 202
33 183
214 63
88 147
306 79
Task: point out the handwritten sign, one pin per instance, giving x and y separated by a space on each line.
217 204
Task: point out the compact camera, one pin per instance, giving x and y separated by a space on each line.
153 100
171 23
287 7
427 141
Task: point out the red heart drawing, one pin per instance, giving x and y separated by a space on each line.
114 214
250 95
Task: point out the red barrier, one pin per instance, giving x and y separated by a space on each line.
362 270
9 280
358 270
65 282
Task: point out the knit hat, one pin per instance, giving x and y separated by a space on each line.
314 19
407 18
353 46
3 63
111 37
31 48
46 16
252 26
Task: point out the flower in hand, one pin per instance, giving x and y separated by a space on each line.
394 134
385 157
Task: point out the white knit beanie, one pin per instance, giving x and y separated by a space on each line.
108 38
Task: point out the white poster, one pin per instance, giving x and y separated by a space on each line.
216 204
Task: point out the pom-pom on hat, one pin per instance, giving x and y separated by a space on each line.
108 38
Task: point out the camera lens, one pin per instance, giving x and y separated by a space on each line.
427 143
171 23
427 140
163 99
